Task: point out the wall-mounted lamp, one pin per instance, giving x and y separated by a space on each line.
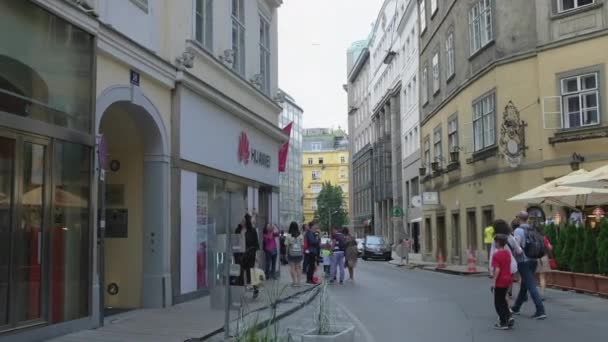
575 162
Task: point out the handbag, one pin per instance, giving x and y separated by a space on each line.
257 276
553 264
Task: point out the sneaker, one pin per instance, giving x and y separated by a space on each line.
538 316
499 326
511 322
515 312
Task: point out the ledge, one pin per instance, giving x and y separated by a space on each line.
583 9
482 49
579 134
483 154
426 178
451 77
452 166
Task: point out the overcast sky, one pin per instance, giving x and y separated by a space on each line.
313 38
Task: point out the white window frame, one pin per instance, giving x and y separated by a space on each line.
453 134
481 32
560 6
342 174
203 23
424 85
450 56
315 146
422 7
434 7
310 161
436 73
581 94
437 147
316 188
427 153
315 175
238 36
484 122
265 53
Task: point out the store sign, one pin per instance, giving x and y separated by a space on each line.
246 153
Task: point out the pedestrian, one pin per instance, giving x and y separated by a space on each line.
326 255
501 280
544 266
501 227
526 265
351 254
252 245
270 234
338 244
305 229
294 242
283 248
488 240
311 252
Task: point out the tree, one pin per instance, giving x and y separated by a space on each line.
577 261
330 207
590 251
602 248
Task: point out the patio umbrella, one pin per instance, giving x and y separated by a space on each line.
555 191
62 198
597 179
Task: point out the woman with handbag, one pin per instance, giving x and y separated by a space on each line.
544 266
252 245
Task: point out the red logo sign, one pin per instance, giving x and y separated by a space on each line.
244 148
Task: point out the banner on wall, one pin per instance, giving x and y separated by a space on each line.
283 152
202 222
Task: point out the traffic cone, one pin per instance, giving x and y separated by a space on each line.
471 262
441 260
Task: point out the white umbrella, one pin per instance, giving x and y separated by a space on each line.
555 191
597 179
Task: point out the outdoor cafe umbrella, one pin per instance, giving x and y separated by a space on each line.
62 198
571 196
597 179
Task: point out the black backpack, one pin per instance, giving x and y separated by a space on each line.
341 241
535 243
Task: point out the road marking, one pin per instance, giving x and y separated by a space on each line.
358 324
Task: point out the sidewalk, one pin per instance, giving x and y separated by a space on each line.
193 319
432 266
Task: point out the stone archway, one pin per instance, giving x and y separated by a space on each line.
142 114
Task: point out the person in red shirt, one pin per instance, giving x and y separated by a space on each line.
501 263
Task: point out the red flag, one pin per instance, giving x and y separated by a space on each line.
284 149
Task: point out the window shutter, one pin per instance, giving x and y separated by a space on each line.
552 112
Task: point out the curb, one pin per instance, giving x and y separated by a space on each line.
271 320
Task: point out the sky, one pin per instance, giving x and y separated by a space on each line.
313 38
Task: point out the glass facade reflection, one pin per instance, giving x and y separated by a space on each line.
291 194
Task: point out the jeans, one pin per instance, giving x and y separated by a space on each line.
270 266
310 260
337 261
528 284
500 303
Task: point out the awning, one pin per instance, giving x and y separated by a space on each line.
416 220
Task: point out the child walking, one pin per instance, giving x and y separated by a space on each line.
501 263
326 254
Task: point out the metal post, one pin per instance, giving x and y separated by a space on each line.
227 257
101 233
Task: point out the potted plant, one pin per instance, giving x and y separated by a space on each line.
602 259
325 329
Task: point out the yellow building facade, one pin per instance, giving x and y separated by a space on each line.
323 161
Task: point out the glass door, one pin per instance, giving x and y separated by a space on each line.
23 210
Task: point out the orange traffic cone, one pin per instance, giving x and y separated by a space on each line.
441 260
471 262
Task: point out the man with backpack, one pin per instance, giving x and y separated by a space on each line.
533 248
338 244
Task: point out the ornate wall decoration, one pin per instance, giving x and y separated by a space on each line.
512 135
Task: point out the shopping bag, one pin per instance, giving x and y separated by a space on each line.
257 277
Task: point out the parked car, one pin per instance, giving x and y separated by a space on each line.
360 246
375 247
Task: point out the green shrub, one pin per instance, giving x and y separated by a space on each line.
550 232
602 248
558 244
577 261
569 244
590 251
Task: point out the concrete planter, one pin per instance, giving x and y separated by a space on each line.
344 334
602 284
584 282
562 280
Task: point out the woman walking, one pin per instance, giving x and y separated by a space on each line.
544 267
294 243
252 245
352 254
270 250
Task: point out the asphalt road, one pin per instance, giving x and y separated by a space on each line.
389 303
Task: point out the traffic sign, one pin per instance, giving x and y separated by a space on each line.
397 212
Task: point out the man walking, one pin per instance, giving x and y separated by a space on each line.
312 252
526 264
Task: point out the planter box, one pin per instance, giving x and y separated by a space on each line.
561 279
345 334
584 282
602 284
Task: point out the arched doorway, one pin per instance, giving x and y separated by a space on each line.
136 244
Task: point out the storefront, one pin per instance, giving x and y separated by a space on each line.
228 167
46 171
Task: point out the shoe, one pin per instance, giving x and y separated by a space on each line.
256 292
341 282
511 322
538 316
499 326
515 312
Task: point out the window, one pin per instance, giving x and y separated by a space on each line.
238 36
309 161
480 25
314 204
342 173
315 146
320 160
424 85
433 7
265 53
580 98
449 55
342 160
143 4
316 188
437 143
204 23
484 127
453 134
435 65
422 6
316 175
568 5
427 153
